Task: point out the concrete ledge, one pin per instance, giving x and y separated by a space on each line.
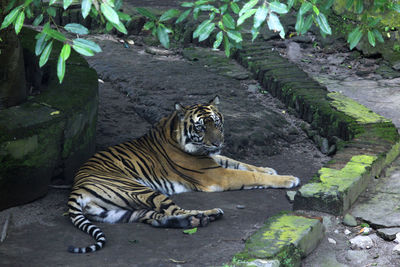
365 142
52 133
285 238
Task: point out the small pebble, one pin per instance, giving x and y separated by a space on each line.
347 232
240 207
332 241
336 231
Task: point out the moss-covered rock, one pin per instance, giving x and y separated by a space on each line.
52 133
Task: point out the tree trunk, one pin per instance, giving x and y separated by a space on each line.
12 71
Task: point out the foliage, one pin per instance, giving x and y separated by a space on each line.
224 20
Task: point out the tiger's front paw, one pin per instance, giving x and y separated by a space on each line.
289 182
293 182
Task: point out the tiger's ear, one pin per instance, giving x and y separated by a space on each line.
215 101
180 109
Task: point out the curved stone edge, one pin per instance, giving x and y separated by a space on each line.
51 134
283 241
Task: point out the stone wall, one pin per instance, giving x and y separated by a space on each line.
52 133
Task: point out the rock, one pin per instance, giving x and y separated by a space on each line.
389 234
356 256
331 241
349 220
264 263
240 207
397 239
324 146
361 242
290 195
347 232
396 249
294 51
396 65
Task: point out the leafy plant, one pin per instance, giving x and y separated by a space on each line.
224 20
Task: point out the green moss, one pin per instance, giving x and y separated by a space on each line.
284 237
355 110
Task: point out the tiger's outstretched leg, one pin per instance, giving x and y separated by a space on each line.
229 163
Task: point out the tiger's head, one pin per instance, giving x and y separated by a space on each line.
200 130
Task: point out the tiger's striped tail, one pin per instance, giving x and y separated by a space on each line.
80 221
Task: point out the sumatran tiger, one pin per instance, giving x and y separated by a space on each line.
131 182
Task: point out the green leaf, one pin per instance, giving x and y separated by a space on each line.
378 35
227 46
86 6
88 44
190 231
196 11
374 21
149 25
19 22
201 2
187 4
65 51
53 33
123 16
249 5
245 16
223 8
207 31
52 2
46 53
218 40
254 33
260 16
278 7
305 7
316 10
371 38
299 23
109 13
235 8
307 24
38 20
146 13
120 27
228 21
354 37
235 35
67 3
201 28
51 11
109 26
275 25
83 50
290 3
183 16
76 28
328 4
162 34
396 7
169 14
11 17
28 12
40 44
60 68
349 4
323 24
359 6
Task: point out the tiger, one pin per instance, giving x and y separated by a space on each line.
133 181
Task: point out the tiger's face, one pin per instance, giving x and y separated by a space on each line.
201 127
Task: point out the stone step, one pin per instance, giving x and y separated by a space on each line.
283 240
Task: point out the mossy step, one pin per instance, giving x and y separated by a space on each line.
284 237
